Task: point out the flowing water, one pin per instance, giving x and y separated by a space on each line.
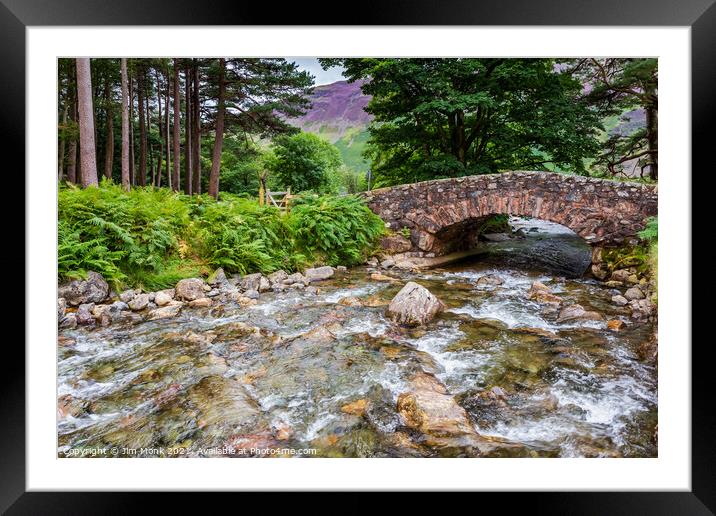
278 375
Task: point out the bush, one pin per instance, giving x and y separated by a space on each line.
335 230
126 237
152 238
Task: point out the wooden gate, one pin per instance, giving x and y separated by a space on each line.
281 200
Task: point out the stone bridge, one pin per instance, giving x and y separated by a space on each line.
444 215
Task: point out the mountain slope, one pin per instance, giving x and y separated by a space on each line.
337 114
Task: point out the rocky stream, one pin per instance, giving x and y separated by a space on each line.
517 356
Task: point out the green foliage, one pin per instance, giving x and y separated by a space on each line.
118 234
305 162
335 230
241 236
451 117
651 232
154 237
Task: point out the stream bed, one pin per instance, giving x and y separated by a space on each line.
321 374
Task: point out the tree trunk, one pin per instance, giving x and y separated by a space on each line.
61 154
142 179
196 137
652 141
88 159
158 176
219 135
177 124
125 126
109 146
148 112
188 175
132 154
166 131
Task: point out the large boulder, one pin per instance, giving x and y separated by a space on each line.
414 305
428 408
578 313
218 278
190 289
94 289
319 273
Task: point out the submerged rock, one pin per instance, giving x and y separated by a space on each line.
490 279
190 289
377 276
542 293
94 289
355 408
414 305
319 273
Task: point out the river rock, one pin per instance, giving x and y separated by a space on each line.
312 290
202 302
264 284
84 314
615 324
377 276
542 293
621 275
350 301
61 308
355 408
94 289
218 278
395 244
577 312
139 302
190 289
414 305
69 321
341 268
634 293
496 237
162 298
599 272
319 273
620 300
250 282
613 284
296 278
429 409
641 308
489 279
252 294
170 310
128 295
372 262
277 277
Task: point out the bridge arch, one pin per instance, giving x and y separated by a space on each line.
443 214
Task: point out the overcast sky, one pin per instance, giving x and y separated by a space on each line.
322 76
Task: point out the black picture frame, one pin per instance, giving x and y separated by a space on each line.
700 15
